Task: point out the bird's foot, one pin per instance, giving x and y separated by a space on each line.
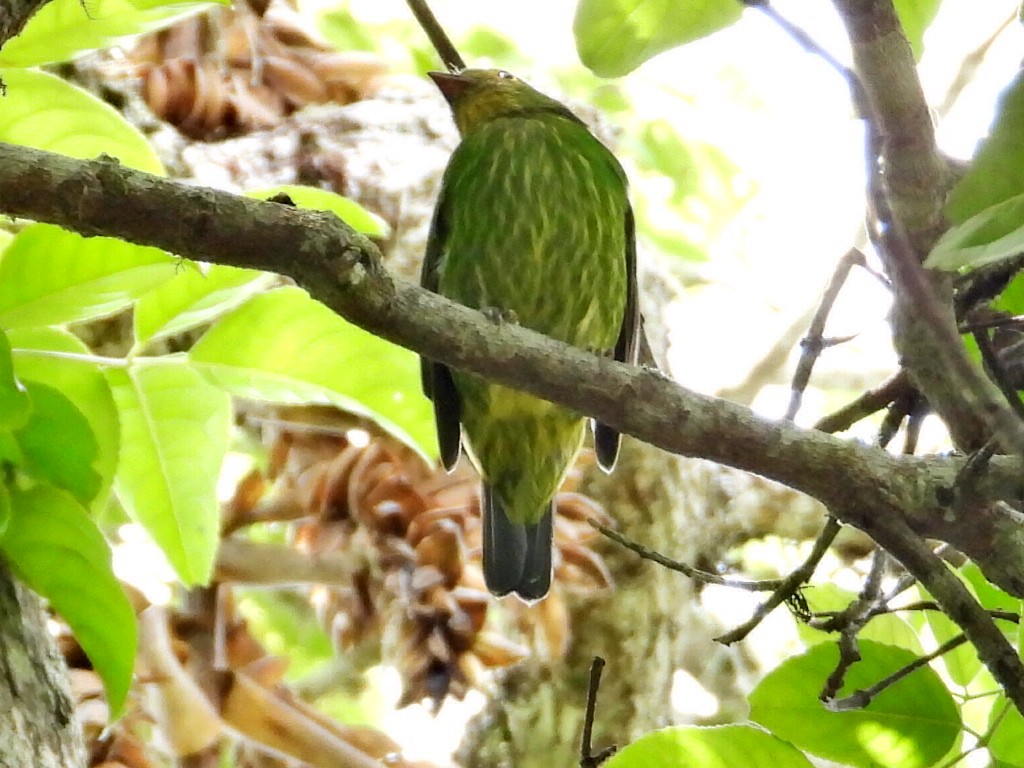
500 316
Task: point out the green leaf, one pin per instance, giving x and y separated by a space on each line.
989 595
284 347
49 276
15 404
909 725
725 746
1007 742
962 663
997 170
992 235
45 112
1012 298
915 16
58 445
64 29
57 550
10 451
193 297
174 432
349 211
82 382
614 37
5 512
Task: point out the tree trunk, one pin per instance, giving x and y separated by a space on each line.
38 727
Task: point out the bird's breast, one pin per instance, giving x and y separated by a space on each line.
537 228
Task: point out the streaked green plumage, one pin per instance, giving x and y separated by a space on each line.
533 221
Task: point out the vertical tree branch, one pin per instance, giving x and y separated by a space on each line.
910 182
38 726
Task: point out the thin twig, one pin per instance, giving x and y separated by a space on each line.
438 38
915 420
922 605
1015 322
861 698
997 372
906 579
587 758
851 621
811 346
802 38
687 570
865 405
908 405
789 585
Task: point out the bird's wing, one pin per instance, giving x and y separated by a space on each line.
606 439
438 384
627 347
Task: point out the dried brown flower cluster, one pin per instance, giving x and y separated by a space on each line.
232 71
410 537
391 549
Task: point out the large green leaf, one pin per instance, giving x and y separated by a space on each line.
909 725
57 550
614 37
15 404
349 211
1007 742
64 29
57 443
285 347
49 276
915 16
175 428
45 112
727 746
997 171
193 297
61 360
992 235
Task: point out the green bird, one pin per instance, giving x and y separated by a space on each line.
533 223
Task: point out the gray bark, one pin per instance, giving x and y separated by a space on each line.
38 728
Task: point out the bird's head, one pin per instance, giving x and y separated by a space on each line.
479 95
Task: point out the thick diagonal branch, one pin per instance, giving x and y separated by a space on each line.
894 499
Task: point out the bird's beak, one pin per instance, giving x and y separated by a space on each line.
452 85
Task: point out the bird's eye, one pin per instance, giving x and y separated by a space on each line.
506 75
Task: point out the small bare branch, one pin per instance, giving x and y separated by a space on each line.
438 37
587 757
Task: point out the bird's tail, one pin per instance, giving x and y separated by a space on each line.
517 557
